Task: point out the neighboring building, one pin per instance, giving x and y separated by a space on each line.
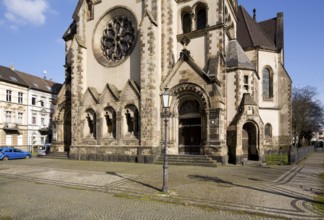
318 136
225 71
25 108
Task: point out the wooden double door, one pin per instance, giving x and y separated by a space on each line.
189 135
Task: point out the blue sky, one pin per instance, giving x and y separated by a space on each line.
31 36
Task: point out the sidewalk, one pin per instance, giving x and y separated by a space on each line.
281 191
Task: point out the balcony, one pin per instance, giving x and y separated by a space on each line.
10 126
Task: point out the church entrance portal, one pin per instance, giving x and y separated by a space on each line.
249 141
189 127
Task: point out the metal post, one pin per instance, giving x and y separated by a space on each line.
165 162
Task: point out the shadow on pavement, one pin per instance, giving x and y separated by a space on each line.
134 181
285 194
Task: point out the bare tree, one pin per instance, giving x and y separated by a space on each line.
307 114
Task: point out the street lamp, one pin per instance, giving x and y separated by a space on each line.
166 101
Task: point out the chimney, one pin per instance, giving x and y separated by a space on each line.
12 67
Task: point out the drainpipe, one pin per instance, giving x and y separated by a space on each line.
28 127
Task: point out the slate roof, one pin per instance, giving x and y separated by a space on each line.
236 57
273 28
247 100
10 76
26 80
250 34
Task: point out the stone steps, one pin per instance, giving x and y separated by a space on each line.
188 160
55 155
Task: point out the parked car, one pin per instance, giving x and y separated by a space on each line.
42 150
9 153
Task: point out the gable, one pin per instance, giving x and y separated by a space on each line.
109 95
90 97
130 92
186 70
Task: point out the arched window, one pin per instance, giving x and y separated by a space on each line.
267 84
268 131
201 15
186 22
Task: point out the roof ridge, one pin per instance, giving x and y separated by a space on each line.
245 23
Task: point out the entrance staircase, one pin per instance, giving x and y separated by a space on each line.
54 155
188 160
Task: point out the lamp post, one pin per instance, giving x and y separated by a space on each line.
166 100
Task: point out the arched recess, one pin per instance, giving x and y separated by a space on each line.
250 140
131 121
90 127
109 122
188 123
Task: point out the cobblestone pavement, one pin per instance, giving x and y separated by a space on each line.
67 189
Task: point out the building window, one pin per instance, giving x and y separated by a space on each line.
43 139
8 140
20 118
43 121
41 102
267 84
8 116
186 23
246 83
201 15
34 121
20 140
20 97
268 131
33 100
8 95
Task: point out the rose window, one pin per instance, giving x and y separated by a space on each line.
118 39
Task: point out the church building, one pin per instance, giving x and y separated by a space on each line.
231 93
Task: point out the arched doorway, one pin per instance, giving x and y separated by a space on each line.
249 141
189 127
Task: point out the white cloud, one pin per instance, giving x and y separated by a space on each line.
26 11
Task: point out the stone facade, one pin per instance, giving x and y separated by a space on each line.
231 96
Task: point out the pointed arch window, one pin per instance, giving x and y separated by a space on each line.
267 84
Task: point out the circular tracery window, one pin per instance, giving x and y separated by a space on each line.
118 38
114 37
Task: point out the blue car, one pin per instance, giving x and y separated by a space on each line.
9 153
